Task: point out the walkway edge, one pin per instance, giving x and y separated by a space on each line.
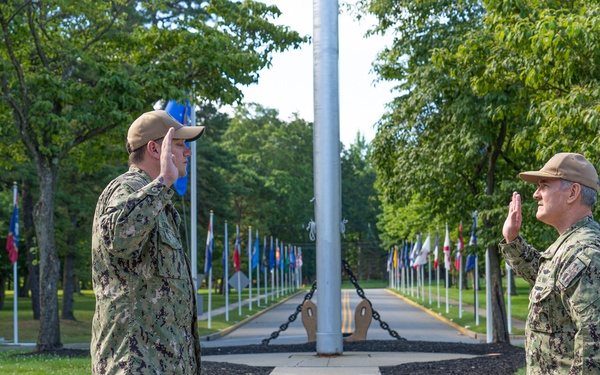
227 330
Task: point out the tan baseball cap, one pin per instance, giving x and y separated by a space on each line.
566 166
154 125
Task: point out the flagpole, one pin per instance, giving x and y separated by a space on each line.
15 277
264 259
272 270
476 286
210 226
508 294
194 209
239 281
226 273
257 272
250 268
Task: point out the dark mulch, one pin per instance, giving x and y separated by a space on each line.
496 359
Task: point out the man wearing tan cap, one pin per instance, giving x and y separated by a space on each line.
145 320
563 325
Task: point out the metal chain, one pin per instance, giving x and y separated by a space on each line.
292 317
361 294
309 295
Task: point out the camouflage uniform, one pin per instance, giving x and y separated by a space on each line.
145 320
563 325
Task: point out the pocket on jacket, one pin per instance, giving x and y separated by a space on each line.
171 260
541 308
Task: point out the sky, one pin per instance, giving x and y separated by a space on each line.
287 85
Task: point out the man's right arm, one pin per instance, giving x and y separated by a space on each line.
523 259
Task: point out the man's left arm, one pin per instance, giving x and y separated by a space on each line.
580 281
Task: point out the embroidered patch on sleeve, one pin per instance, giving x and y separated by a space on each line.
571 273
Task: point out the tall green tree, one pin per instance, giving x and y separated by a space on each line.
361 208
275 170
73 75
443 147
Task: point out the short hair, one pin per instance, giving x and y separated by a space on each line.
589 196
137 156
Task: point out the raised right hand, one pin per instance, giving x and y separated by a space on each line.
512 224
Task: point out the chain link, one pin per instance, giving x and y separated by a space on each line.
292 317
361 294
309 295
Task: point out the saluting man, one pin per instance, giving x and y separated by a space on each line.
145 320
562 330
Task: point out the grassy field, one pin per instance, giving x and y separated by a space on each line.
15 362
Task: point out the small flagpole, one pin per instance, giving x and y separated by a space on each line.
15 277
257 272
476 286
264 259
508 294
210 224
239 281
460 287
250 267
226 273
272 270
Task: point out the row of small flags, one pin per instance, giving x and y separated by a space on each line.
276 257
417 254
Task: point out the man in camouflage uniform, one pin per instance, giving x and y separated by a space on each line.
145 320
563 325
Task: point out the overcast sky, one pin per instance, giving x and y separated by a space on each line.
288 85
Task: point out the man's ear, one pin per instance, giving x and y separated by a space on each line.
153 150
574 192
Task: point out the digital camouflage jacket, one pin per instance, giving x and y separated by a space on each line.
562 329
145 320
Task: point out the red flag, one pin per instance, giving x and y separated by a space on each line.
13 234
460 246
447 259
236 251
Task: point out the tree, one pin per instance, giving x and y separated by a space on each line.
443 147
75 74
361 207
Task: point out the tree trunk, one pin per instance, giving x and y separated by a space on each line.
499 324
2 291
49 333
69 285
32 252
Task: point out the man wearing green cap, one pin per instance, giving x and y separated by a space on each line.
145 320
563 325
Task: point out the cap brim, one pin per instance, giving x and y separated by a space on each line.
189 133
536 176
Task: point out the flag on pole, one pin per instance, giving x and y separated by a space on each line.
473 239
460 246
291 258
277 257
12 243
271 256
255 252
236 251
414 252
299 262
183 114
436 250
209 245
394 255
421 258
447 259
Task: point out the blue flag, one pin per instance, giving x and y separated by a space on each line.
181 113
271 258
13 235
255 253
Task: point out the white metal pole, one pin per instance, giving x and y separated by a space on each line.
509 294
327 175
257 271
476 287
460 285
226 272
266 268
193 208
15 277
488 297
250 268
239 279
